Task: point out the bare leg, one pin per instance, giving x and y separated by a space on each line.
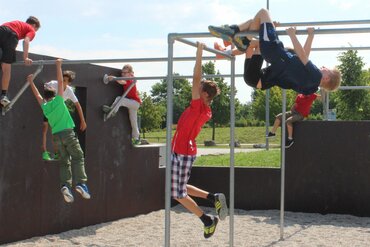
45 126
289 127
254 24
194 191
6 67
190 205
276 125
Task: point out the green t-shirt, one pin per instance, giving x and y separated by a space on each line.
57 114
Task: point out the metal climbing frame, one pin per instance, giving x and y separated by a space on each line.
181 37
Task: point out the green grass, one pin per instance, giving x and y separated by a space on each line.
262 158
245 135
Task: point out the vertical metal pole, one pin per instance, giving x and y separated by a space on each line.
327 105
232 147
267 107
282 169
267 117
168 139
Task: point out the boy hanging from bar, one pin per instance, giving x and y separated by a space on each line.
68 94
184 149
286 70
61 122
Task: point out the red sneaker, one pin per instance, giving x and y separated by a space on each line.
227 43
219 47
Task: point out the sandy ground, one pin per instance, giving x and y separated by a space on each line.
251 228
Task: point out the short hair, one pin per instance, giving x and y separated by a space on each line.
211 88
70 74
33 20
49 93
335 79
128 67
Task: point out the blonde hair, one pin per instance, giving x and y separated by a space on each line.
128 67
335 79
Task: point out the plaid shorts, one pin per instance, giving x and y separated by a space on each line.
180 174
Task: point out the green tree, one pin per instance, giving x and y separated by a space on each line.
151 114
351 103
275 100
221 104
181 96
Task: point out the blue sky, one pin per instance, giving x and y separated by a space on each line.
92 29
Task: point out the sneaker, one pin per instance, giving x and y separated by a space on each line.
67 194
289 143
136 142
224 32
56 156
241 43
46 156
221 206
219 47
210 230
270 135
227 43
4 100
83 190
106 108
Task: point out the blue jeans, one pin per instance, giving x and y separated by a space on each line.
71 158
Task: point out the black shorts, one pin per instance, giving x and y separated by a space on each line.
252 70
8 44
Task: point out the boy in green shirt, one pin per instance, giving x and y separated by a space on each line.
60 120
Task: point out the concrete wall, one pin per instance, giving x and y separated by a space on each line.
124 181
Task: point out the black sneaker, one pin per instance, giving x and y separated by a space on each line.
224 32
210 230
241 43
289 143
4 100
221 206
270 135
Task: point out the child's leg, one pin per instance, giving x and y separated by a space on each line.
276 123
133 107
6 69
77 158
65 172
289 127
45 127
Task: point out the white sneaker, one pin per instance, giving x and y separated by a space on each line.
4 100
67 194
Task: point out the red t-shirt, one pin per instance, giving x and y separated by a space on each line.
303 103
22 29
188 127
133 93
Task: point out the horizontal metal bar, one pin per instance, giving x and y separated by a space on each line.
341 48
353 87
317 31
323 23
188 42
119 60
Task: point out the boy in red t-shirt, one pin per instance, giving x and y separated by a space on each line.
132 101
10 34
184 150
298 112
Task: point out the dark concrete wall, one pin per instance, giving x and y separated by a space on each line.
327 171
124 181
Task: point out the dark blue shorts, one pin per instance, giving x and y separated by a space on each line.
8 44
272 49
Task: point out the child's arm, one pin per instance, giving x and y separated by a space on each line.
34 89
26 45
81 115
197 75
297 46
58 64
308 43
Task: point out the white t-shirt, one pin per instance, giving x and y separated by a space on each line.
68 93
